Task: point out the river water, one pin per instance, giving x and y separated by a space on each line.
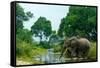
51 57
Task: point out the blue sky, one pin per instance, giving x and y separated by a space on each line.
54 13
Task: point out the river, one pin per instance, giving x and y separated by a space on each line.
51 57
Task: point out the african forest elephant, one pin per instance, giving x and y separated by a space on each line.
76 47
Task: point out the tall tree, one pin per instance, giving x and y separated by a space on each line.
79 21
23 36
21 16
41 28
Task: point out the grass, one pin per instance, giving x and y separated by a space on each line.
26 51
92 52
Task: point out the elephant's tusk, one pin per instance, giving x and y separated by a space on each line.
65 51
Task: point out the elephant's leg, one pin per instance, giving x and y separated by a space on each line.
78 55
73 52
85 54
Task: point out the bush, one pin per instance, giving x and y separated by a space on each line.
23 49
44 44
26 51
92 53
57 48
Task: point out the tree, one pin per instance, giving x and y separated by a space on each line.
24 35
21 16
54 38
41 28
79 21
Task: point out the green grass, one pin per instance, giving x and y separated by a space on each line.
92 52
26 51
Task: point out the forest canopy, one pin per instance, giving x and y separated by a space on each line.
80 21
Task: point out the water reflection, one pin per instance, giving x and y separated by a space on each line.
50 57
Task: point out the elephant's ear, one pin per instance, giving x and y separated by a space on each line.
74 43
72 40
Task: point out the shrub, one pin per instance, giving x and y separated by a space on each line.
57 48
26 51
92 53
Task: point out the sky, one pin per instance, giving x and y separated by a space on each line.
54 13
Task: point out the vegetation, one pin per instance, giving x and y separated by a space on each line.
92 52
84 18
26 52
57 48
41 27
27 49
21 16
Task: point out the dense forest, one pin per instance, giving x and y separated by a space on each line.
84 18
79 21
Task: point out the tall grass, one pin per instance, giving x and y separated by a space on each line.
92 52
26 51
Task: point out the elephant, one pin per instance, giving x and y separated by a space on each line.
76 47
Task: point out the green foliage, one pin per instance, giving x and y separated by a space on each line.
44 44
57 48
29 14
21 16
79 21
25 35
23 49
92 53
26 51
61 28
38 51
41 27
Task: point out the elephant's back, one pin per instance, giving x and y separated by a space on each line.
84 43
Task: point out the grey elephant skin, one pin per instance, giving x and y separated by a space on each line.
76 47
